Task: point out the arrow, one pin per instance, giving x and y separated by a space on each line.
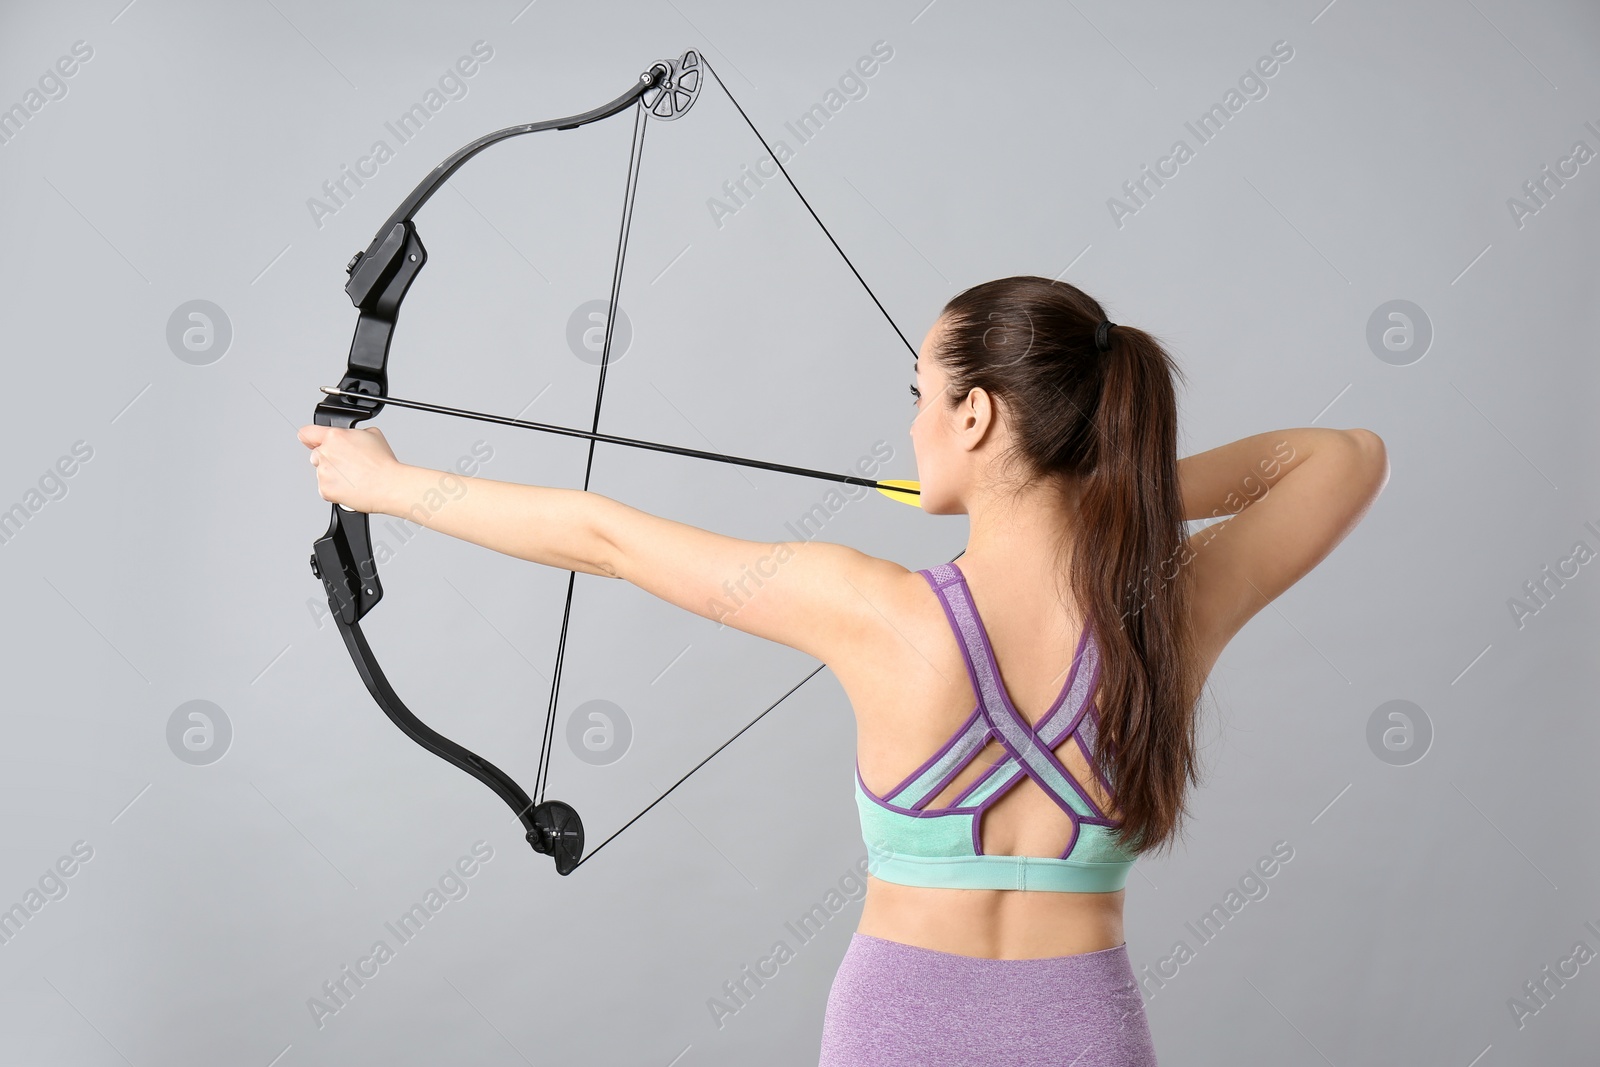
906 492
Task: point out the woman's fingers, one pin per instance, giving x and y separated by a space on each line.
355 467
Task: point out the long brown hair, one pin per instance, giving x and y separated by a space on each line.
1108 420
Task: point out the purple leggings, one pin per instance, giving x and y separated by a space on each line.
895 1005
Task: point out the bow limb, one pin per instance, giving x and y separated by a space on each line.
381 273
379 277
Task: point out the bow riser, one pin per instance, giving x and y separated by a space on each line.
379 280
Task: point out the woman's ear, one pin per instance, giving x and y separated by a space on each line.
975 418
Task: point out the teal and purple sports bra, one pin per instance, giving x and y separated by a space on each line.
913 844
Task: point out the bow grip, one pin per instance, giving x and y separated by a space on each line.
342 557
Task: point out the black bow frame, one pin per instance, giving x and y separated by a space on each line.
342 558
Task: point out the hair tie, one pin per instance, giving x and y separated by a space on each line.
1102 335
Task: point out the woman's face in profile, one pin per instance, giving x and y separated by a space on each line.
932 439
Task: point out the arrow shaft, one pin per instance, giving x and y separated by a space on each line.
626 442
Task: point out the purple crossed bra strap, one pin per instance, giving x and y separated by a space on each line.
1029 746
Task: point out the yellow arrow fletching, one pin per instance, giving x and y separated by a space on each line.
906 492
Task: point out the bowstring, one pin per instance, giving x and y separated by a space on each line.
635 154
828 233
892 325
591 853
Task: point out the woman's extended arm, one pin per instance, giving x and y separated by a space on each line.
812 596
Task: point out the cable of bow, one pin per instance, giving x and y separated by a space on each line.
635 157
817 218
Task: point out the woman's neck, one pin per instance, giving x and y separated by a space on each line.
1020 543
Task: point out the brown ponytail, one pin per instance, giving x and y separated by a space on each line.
1107 420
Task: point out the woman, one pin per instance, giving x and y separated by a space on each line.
1026 716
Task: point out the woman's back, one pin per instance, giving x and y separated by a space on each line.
914 701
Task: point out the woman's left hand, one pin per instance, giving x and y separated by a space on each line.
355 467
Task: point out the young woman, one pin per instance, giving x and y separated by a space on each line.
1025 716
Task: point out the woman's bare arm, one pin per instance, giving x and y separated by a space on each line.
812 596
808 595
1293 496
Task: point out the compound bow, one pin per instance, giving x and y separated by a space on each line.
343 559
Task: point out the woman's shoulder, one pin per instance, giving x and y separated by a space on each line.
878 603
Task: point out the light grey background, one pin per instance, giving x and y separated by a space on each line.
1378 166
